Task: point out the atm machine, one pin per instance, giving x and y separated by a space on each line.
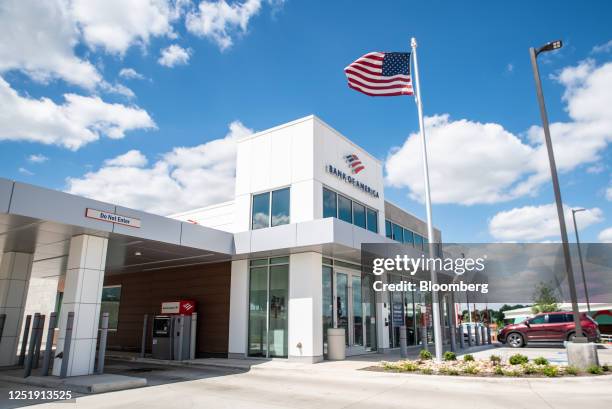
174 331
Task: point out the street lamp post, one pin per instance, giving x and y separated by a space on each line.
554 45
586 290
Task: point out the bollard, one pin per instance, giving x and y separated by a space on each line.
477 335
403 342
424 337
24 341
461 337
41 329
483 337
29 358
102 347
180 334
469 335
143 342
48 356
2 321
192 342
67 340
489 335
453 338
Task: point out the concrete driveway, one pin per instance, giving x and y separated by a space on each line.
339 385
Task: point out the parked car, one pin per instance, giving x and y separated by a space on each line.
547 327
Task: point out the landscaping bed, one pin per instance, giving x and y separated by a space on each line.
516 366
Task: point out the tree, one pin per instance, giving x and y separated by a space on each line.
544 299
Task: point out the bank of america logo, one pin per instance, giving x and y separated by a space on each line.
354 163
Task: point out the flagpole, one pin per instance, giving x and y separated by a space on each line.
430 231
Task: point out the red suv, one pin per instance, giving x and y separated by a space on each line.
547 327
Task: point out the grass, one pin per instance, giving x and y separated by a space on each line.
551 371
571 370
498 370
512 372
471 370
408 367
529 369
427 371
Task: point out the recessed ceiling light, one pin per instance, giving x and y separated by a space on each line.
138 253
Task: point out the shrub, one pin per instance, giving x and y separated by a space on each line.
498 370
540 361
496 359
450 356
595 370
408 366
513 372
425 354
388 366
453 372
468 358
550 371
529 369
571 370
426 371
471 369
518 359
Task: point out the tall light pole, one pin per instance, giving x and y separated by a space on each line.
554 45
586 290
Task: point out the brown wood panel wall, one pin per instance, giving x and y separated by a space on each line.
142 293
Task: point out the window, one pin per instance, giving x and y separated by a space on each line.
388 229
408 237
359 215
111 296
540 319
418 241
330 206
274 203
343 208
372 217
398 233
280 207
556 318
268 303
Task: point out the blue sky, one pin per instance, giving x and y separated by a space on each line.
285 61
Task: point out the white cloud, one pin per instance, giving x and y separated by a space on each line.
609 193
117 89
115 25
25 171
220 21
510 67
174 55
37 158
472 163
76 122
133 158
537 222
38 38
603 48
130 74
183 179
605 236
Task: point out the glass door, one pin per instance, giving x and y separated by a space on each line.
349 310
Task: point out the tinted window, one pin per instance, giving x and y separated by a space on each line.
261 211
280 207
388 229
418 241
359 216
408 237
556 318
330 208
344 209
372 220
541 319
398 233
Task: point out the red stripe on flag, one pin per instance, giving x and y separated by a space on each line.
361 84
387 94
379 80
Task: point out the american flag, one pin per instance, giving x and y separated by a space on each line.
381 74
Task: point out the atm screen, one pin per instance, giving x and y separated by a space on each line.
161 326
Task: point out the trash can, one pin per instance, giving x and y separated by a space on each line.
336 344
